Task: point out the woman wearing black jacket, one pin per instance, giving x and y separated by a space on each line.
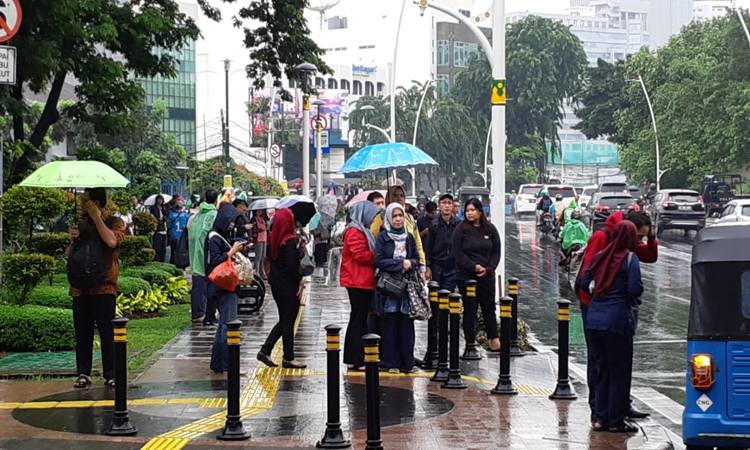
287 288
476 249
159 240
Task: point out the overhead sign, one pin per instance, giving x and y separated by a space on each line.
10 19
7 65
319 123
499 92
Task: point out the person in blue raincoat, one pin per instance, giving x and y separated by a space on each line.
396 253
176 224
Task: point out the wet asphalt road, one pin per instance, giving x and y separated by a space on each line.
660 338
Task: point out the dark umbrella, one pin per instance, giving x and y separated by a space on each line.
301 206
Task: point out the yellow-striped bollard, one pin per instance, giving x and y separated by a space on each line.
504 384
471 353
233 428
431 355
333 436
441 374
372 381
121 425
454 380
564 389
513 287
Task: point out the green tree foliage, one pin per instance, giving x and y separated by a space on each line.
209 174
102 44
545 65
602 97
21 272
24 206
699 85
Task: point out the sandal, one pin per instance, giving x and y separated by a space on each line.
110 383
625 428
82 382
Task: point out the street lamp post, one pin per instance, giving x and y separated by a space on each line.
659 172
318 151
744 25
413 171
305 69
226 115
496 55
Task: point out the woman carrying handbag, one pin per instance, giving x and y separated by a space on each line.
287 288
219 250
397 260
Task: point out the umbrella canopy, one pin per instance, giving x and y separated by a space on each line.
328 204
362 196
264 203
302 207
151 200
75 174
391 155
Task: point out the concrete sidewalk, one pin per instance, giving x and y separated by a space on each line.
176 403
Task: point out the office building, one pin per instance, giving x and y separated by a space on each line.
710 9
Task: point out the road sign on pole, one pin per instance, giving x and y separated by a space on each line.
319 123
7 65
10 19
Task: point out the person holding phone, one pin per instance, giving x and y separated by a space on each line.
287 288
219 250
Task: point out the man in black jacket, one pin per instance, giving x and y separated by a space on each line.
440 263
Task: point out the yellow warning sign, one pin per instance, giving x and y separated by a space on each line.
499 92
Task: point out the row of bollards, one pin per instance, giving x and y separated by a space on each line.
443 333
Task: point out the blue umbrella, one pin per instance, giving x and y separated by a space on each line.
396 155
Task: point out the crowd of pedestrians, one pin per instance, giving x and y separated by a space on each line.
389 254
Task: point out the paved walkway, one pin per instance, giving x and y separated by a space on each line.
177 403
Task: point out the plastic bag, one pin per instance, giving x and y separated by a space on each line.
225 276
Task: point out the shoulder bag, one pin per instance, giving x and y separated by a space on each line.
390 284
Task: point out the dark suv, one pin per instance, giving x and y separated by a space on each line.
679 209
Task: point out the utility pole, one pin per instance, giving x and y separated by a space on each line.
225 126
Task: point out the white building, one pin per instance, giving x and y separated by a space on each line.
665 19
710 9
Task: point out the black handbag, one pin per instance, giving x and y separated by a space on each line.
390 284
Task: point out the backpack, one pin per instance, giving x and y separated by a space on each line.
182 254
86 266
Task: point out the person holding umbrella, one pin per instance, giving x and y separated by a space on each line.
94 303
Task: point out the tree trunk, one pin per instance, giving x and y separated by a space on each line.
50 114
18 132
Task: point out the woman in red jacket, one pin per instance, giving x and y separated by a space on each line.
358 277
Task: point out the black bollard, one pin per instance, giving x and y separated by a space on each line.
564 389
454 380
515 350
121 425
233 428
333 437
504 384
470 352
372 381
441 374
431 355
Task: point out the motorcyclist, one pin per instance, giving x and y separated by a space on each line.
543 206
651 192
557 208
574 236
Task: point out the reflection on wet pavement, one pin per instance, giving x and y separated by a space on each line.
660 339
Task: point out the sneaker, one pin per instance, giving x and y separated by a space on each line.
394 371
414 369
199 319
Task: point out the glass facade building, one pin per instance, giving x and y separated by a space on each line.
178 94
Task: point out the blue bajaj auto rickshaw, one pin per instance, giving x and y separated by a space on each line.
717 397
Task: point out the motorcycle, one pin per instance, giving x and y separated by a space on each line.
545 223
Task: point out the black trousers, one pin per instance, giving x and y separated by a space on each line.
360 300
288 304
159 242
610 355
486 299
87 311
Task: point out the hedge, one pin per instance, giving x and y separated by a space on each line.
55 296
150 274
170 268
131 285
52 244
132 251
36 328
22 272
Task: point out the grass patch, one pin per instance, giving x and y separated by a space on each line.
147 336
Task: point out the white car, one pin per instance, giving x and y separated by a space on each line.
586 194
568 192
735 211
526 198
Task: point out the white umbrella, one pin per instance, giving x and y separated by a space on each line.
264 203
151 201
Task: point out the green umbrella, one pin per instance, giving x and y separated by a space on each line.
75 174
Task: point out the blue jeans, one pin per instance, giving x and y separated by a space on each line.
227 305
445 276
198 296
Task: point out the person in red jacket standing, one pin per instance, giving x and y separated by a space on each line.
647 252
358 277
